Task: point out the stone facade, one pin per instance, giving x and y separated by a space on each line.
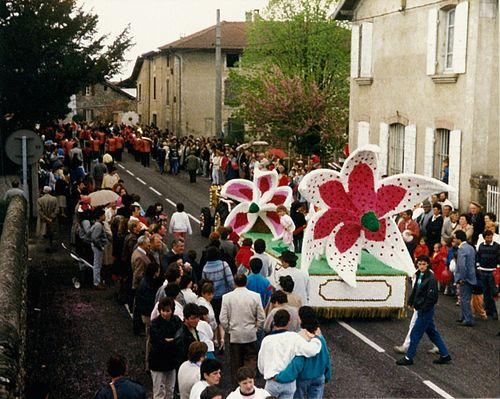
176 85
425 87
104 102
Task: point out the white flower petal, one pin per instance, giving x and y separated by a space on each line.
265 183
240 219
366 154
272 220
311 248
310 184
392 251
240 190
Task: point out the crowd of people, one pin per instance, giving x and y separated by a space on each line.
187 302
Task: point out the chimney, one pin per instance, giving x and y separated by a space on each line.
248 16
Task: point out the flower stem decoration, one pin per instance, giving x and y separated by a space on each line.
256 199
356 211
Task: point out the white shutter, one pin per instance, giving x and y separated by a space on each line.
366 49
355 51
410 148
363 134
383 142
429 152
432 28
454 165
460 37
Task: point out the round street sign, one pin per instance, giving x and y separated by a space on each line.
14 146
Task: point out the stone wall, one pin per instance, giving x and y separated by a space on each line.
13 273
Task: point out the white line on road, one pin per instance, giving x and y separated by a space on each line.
140 180
363 338
170 201
154 191
120 165
129 172
192 217
438 390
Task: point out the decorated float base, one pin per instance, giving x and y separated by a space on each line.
380 290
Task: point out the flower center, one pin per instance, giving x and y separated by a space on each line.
370 222
254 208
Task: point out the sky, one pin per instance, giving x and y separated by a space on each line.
158 22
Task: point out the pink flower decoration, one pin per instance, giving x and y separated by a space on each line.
256 199
355 212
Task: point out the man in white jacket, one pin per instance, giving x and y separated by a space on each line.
279 348
180 226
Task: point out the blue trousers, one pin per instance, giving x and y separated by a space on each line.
310 389
465 296
425 324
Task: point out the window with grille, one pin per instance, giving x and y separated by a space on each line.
168 91
396 148
154 88
450 31
441 151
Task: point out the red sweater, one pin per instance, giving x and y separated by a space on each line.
243 256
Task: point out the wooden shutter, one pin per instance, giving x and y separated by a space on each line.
460 37
355 51
366 49
363 134
410 148
454 165
432 30
429 152
383 142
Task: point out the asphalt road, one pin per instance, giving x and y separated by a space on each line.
72 332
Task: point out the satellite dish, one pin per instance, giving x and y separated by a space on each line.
130 118
14 147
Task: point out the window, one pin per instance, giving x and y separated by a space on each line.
168 91
232 60
396 148
229 92
153 120
154 88
88 114
450 33
88 90
139 92
168 61
441 151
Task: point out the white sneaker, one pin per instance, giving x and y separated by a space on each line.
433 351
400 349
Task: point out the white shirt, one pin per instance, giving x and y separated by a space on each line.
197 389
300 279
177 312
279 349
267 263
206 334
189 374
211 314
259 394
179 222
189 295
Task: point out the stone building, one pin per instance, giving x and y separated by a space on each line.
176 84
425 88
104 102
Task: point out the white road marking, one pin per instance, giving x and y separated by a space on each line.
120 165
128 311
438 390
140 180
154 191
170 201
129 172
363 338
193 218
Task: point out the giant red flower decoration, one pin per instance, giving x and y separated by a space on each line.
355 212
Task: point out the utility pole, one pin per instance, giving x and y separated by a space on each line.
218 77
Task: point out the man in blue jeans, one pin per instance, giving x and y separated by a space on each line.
423 298
312 373
465 276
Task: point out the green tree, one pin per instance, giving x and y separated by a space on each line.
49 50
294 81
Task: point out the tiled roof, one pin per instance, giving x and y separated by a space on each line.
233 37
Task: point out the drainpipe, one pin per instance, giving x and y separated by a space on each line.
179 98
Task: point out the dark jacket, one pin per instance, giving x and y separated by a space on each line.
145 296
125 389
478 223
183 339
424 296
163 355
434 228
488 256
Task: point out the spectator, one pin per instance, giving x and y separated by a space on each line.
210 373
180 226
300 279
110 178
246 386
172 291
449 226
490 221
465 226
187 295
176 253
477 221
192 163
188 334
120 386
288 226
241 316
205 332
243 256
211 392
287 285
279 301
99 241
258 283
425 217
48 208
298 212
312 373
410 230
260 253
465 277
13 191
434 227
164 351
423 298
189 371
279 348
488 258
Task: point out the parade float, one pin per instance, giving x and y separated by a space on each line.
352 250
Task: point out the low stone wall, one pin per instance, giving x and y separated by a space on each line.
13 273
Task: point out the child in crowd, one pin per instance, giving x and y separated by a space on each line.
243 256
287 224
421 249
205 332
